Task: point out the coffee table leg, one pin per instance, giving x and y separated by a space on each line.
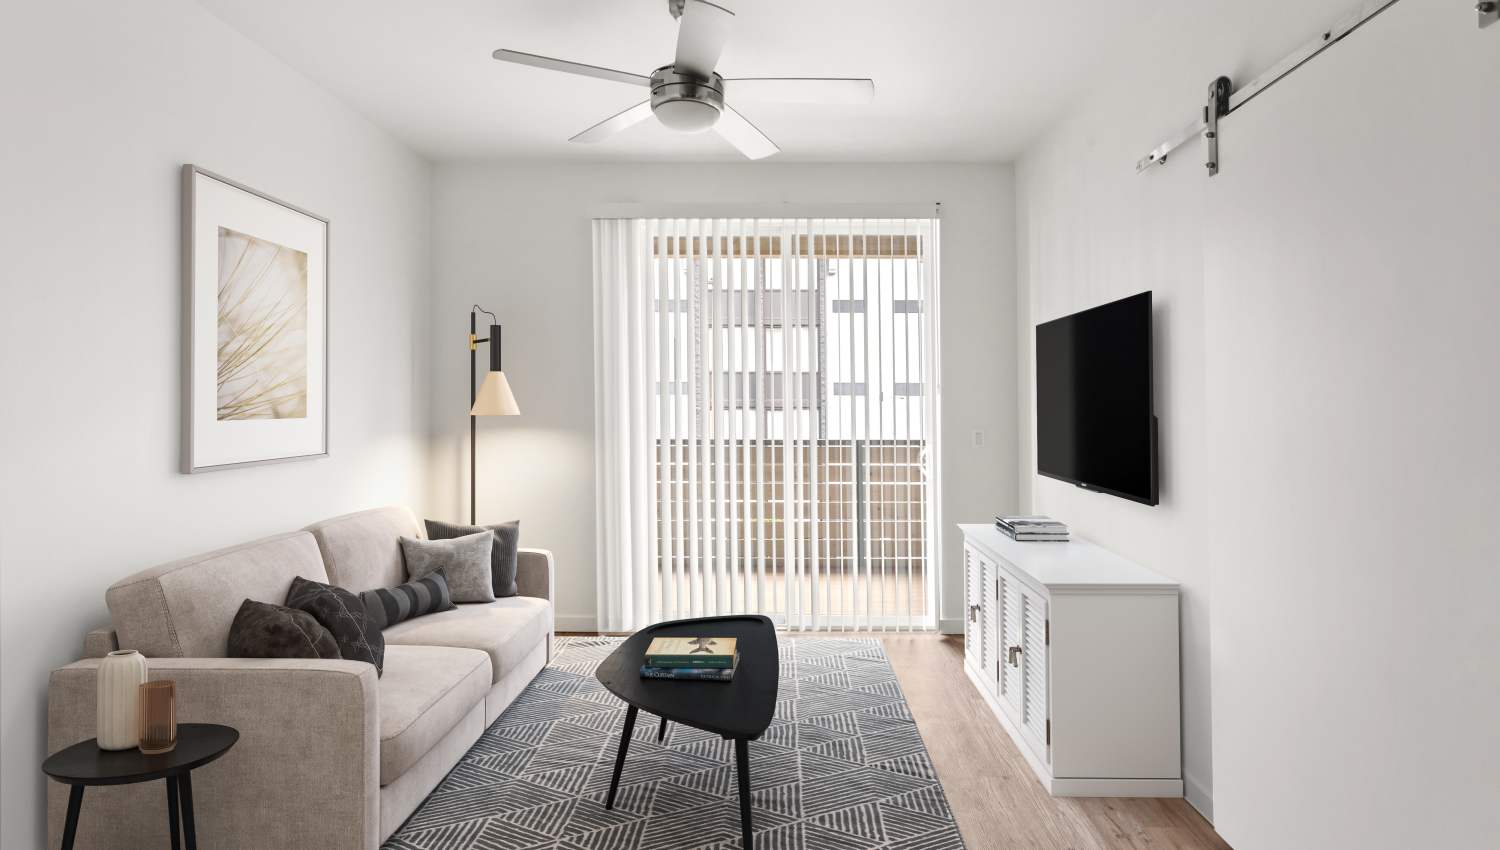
70 826
620 756
742 761
189 830
173 815
662 732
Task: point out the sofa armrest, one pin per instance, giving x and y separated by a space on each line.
99 643
534 573
305 772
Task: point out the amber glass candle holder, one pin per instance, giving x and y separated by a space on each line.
158 714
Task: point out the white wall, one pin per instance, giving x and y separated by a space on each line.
1352 285
516 239
1326 360
1091 231
102 104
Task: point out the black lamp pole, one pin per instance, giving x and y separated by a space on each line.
494 342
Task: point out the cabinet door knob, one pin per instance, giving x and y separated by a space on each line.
973 613
1011 654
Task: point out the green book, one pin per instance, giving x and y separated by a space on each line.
711 652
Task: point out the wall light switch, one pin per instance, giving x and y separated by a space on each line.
978 438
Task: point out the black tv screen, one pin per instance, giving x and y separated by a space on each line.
1095 421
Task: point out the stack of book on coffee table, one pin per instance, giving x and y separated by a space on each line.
698 659
1037 528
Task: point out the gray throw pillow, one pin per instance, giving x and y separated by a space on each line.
464 560
343 615
387 606
263 630
502 556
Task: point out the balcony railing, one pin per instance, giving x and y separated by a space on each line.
826 532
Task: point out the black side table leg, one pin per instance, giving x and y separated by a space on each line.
173 816
742 761
70 826
620 756
189 830
662 732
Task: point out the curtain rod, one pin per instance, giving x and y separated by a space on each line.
784 209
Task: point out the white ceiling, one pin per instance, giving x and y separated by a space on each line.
956 80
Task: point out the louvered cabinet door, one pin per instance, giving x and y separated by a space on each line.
1033 657
991 622
1010 645
974 607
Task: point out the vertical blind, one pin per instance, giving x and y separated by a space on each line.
766 420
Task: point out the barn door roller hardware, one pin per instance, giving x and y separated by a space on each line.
1489 12
1224 100
1216 108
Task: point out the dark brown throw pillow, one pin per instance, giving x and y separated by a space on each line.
343 615
263 630
502 554
387 606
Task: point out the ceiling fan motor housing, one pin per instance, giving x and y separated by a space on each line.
688 103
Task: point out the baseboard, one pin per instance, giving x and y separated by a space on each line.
954 626
1063 787
574 623
1198 797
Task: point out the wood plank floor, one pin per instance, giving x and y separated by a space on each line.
996 798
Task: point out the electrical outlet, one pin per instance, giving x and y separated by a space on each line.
978 438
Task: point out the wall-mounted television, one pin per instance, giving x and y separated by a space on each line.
1095 417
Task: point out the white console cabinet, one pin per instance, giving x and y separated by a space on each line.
1075 649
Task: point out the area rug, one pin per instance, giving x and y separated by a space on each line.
842 767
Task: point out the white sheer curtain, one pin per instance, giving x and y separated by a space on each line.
766 420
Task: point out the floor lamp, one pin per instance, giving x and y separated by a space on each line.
492 398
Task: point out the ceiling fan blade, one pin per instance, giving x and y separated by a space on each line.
801 89
750 141
615 123
701 35
565 66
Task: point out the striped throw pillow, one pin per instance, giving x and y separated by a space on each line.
387 606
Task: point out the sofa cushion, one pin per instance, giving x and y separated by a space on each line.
425 692
387 606
184 609
362 550
265 630
507 629
343 615
464 560
502 552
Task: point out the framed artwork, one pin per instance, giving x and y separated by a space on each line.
255 307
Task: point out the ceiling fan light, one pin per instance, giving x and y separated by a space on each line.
687 116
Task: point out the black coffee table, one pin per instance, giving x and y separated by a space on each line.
739 710
85 764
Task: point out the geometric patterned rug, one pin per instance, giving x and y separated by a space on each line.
842 766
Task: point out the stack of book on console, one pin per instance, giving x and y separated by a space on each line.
1032 528
698 659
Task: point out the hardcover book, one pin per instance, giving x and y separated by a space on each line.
714 652
693 674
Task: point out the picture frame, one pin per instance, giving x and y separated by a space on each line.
255 326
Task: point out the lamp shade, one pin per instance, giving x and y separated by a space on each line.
494 397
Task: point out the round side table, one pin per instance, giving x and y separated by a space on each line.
84 764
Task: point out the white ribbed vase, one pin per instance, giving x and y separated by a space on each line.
121 675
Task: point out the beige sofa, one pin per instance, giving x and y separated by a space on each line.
329 756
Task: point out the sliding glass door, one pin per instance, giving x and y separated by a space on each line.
790 437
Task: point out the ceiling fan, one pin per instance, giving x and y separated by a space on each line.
688 95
